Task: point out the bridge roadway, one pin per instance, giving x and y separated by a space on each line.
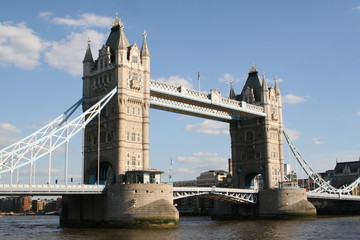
200 104
235 195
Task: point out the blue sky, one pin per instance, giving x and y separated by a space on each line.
312 46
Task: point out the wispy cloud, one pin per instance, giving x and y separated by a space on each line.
318 140
20 46
209 127
358 113
83 20
293 134
8 134
228 78
292 99
69 52
356 8
278 80
199 162
45 15
176 81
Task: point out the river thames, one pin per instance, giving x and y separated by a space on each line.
46 227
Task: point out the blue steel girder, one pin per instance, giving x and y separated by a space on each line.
206 105
234 195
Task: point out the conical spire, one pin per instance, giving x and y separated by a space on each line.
144 48
232 93
123 42
253 69
277 89
88 55
264 84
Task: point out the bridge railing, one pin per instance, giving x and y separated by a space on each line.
213 98
47 189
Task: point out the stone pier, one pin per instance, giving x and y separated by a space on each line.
123 206
272 204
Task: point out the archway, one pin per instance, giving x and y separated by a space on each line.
106 173
254 181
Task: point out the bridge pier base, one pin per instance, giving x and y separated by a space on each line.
284 203
123 206
272 203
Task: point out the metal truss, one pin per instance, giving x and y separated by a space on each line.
324 186
50 137
234 195
200 104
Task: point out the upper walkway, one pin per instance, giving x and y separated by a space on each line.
200 104
49 190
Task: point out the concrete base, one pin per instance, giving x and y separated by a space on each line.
336 207
123 205
272 203
284 203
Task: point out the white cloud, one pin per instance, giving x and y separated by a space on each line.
8 134
203 158
358 113
292 99
206 154
45 15
356 8
84 20
68 53
200 162
293 134
278 80
228 78
176 81
19 46
209 127
317 140
43 172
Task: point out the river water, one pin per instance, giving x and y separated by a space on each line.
46 227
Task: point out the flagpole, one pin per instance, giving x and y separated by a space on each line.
199 80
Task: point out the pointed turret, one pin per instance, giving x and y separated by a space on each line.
232 93
264 84
144 48
277 89
264 90
123 42
88 62
88 55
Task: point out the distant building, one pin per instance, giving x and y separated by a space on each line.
213 178
16 204
186 183
199 205
344 174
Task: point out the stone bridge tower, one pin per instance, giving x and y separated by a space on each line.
123 142
256 144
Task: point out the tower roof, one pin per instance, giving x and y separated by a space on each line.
253 82
117 37
88 55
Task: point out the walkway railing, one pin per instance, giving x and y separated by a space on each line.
208 105
52 190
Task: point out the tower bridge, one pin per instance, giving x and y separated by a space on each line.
117 95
